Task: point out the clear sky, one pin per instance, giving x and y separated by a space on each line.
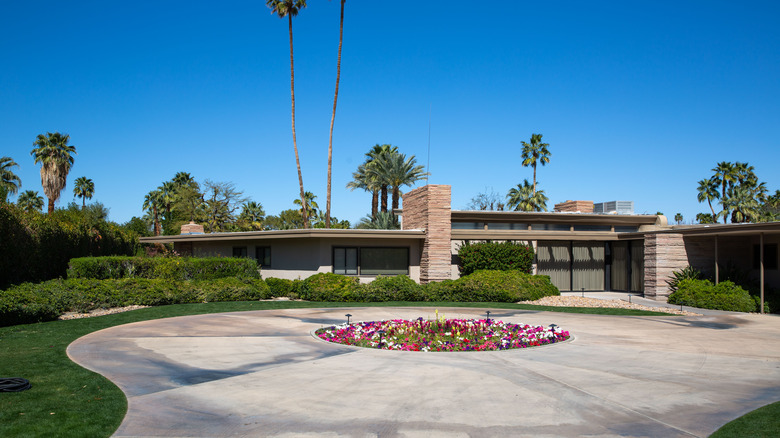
637 99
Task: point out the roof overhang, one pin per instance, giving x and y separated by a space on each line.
312 233
534 235
557 217
725 229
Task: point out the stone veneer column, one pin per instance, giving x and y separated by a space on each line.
664 253
428 208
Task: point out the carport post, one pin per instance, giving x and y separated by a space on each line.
761 267
716 259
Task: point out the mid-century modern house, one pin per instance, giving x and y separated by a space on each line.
578 249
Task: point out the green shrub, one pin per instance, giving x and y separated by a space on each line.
169 268
687 273
397 288
282 287
705 295
505 256
493 286
330 287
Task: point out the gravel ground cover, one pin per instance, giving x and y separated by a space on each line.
568 301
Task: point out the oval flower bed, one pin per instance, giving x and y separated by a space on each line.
442 335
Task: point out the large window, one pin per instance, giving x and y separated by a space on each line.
371 261
263 256
239 251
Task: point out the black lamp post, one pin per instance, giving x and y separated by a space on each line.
381 335
488 316
348 315
552 327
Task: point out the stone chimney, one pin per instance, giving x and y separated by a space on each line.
191 228
428 208
574 206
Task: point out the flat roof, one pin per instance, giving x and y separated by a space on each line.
558 217
288 234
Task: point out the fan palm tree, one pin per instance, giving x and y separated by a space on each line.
311 207
167 196
9 181
333 117
535 152
396 170
382 221
363 179
708 190
56 158
724 176
184 179
30 201
377 152
743 202
84 189
523 198
152 203
289 9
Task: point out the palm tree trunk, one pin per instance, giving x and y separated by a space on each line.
723 199
374 203
156 221
709 201
396 196
333 117
83 202
384 198
51 205
534 178
295 143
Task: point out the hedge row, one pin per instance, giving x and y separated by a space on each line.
37 246
167 268
28 303
501 256
706 295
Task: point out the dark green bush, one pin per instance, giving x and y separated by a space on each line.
687 273
282 287
331 287
705 295
505 256
37 246
169 268
497 286
397 288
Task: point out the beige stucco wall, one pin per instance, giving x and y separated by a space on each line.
300 258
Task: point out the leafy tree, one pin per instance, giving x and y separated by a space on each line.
384 220
84 189
334 222
29 201
397 171
333 117
705 218
286 220
368 181
524 198
221 201
678 218
535 152
487 201
708 191
189 202
9 181
152 202
56 158
289 9
138 226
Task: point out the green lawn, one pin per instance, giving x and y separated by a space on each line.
763 422
67 400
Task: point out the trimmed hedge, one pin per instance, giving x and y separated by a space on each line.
282 287
28 303
705 295
494 286
168 268
504 256
330 287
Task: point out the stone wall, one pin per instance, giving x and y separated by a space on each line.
574 206
428 208
664 253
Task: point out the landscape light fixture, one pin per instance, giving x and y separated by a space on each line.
381 335
583 292
552 327
348 315
488 316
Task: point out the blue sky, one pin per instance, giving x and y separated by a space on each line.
638 100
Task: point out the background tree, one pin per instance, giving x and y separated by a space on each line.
29 201
384 220
376 153
289 9
742 195
221 201
523 198
138 226
488 200
724 175
9 181
708 191
333 117
678 218
368 181
152 205
396 171
56 158
705 218
535 152
251 217
311 207
770 210
286 220
84 189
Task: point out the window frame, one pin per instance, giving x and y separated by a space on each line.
243 249
359 256
261 261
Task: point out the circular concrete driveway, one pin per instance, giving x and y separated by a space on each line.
261 373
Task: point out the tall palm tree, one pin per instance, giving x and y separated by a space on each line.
523 198
152 202
9 181
167 196
397 171
535 152
30 201
333 117
56 158
184 179
377 152
289 9
363 179
708 190
84 189
724 176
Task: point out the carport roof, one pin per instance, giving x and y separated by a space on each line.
289 234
